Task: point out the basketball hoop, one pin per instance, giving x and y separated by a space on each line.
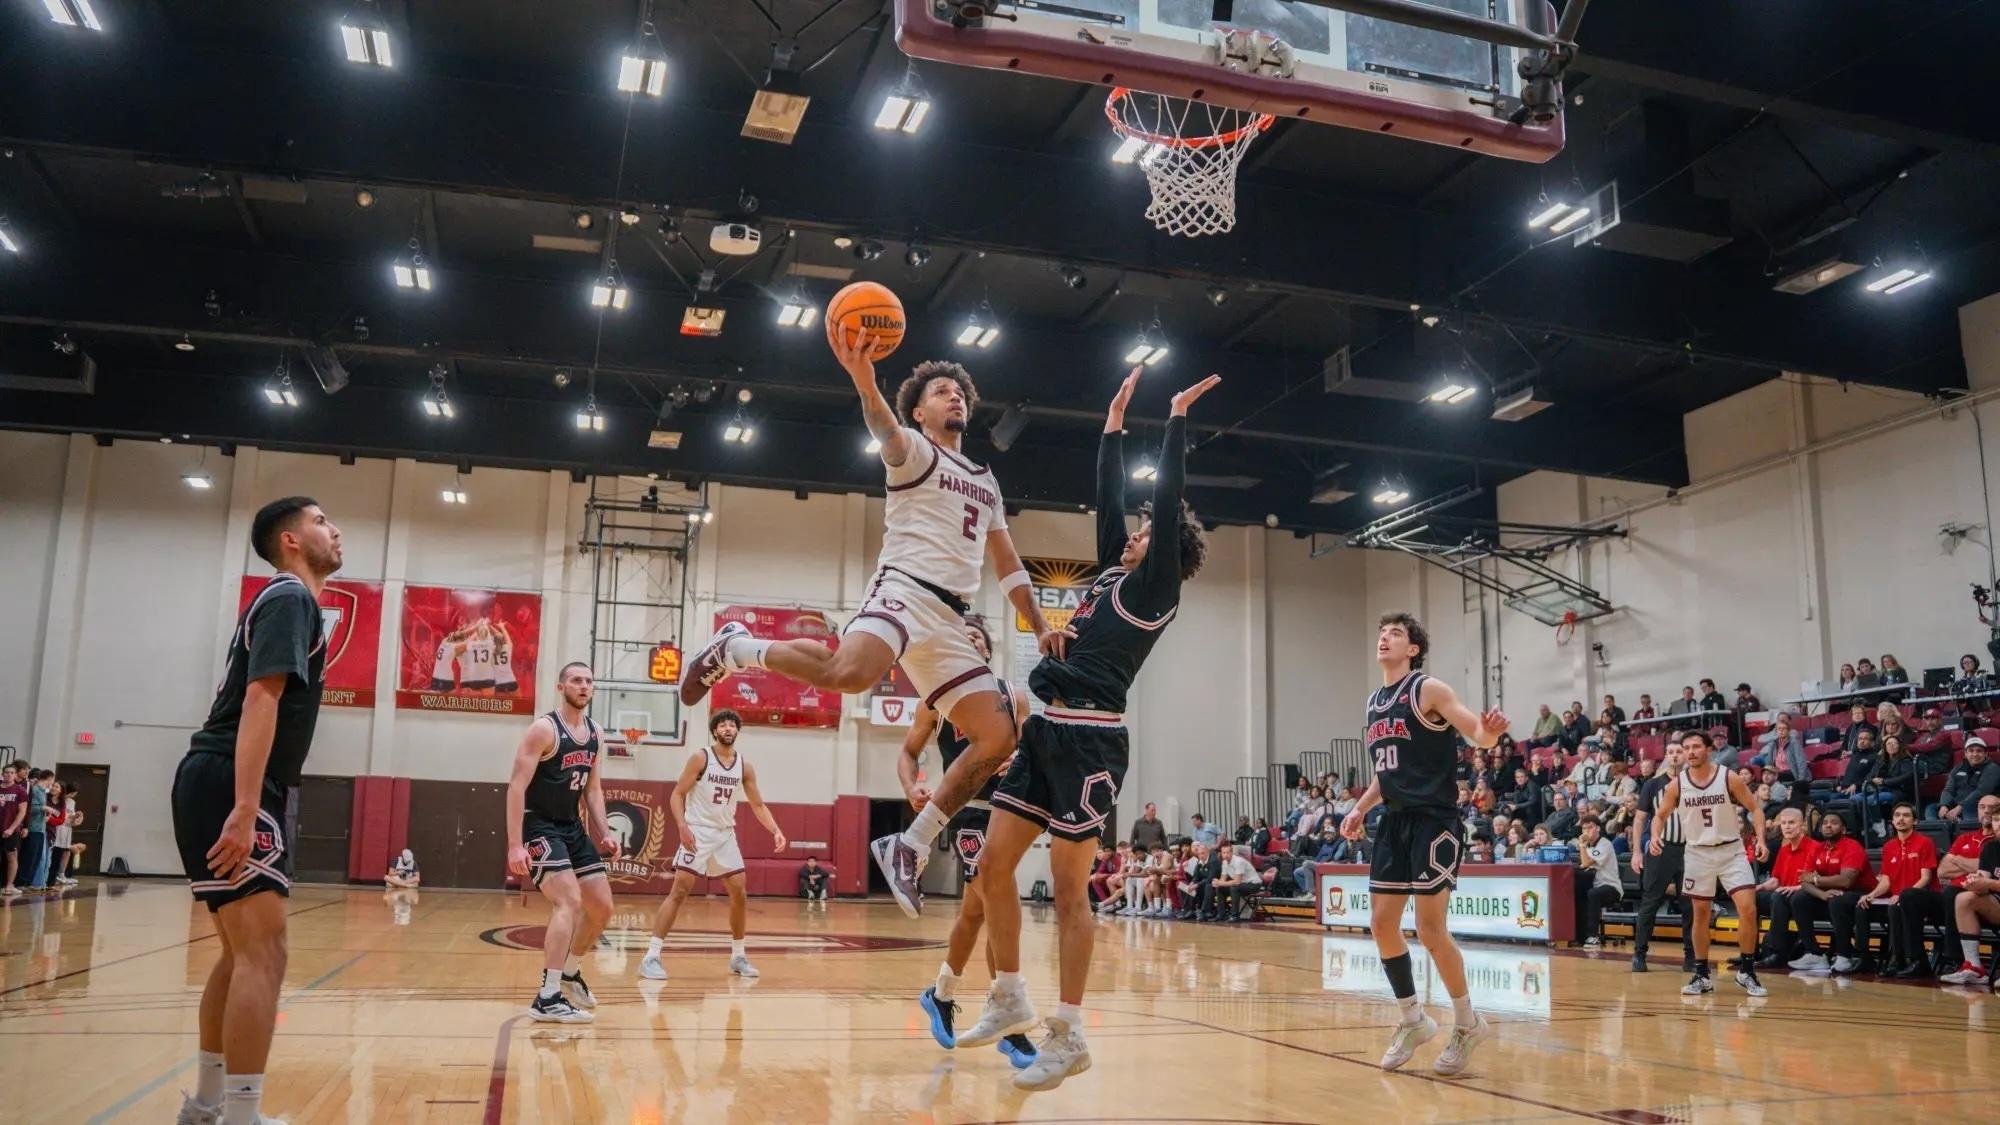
1567 628
633 735
1190 159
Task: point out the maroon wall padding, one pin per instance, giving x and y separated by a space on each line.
850 845
368 842
399 817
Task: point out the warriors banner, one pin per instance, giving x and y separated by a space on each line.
351 613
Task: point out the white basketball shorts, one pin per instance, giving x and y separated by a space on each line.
928 638
1711 869
715 852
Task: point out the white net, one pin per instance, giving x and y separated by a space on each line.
1190 152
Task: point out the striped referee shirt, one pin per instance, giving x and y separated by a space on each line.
1649 799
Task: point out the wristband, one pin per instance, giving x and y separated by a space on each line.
1013 581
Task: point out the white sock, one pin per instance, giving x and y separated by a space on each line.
654 946
736 947
1461 1010
745 652
1971 948
947 982
551 982
241 1096
924 830
1413 1010
1009 982
573 964
1071 1014
208 1078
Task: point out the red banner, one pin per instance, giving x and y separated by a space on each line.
468 650
766 698
352 613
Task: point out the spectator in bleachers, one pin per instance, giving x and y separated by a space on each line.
1889 724
1930 732
1894 779
1970 676
1972 780
1779 896
1711 699
1562 823
1909 861
1782 747
1645 708
1620 824
1846 682
1498 824
1482 769
1540 837
1611 708
1977 898
1514 844
1524 800
1597 881
1147 831
1244 831
1235 884
1120 869
1620 784
1576 728
1746 701
1865 675
1483 800
1203 832
1611 736
1859 720
1506 759
1687 704
1547 727
812 880
1326 849
1893 671
1846 792
1840 873
1343 803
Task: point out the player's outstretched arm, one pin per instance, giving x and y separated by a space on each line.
875 412
1111 475
538 742
1156 588
1483 731
677 802
759 809
914 742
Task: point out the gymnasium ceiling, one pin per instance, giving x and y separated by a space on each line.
193 172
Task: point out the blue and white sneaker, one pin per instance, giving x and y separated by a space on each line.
1019 1049
942 1014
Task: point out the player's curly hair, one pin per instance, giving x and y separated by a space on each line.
1415 629
724 716
913 387
1194 539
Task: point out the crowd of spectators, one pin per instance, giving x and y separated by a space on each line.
37 819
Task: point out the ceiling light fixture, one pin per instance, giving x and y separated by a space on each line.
1390 494
410 270
184 344
1451 393
1072 276
365 37
198 479
868 249
610 291
1145 472
363 198
588 419
796 313
1898 279
1547 212
740 431
873 446
73 13
455 494
279 391
7 242
1150 348
981 328
435 402
917 256
1570 220
642 69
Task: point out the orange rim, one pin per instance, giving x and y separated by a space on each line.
1567 629
1257 124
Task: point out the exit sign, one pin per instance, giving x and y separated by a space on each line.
85 738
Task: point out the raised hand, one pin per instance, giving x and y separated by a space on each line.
1186 398
856 356
1114 418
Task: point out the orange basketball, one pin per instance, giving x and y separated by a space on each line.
866 306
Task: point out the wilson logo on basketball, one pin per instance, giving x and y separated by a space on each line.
876 320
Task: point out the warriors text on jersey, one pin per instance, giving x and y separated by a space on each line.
1414 756
711 803
281 631
1706 812
560 778
939 510
1124 612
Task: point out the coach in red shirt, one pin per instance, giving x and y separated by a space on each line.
1839 873
1937 904
1778 897
1909 862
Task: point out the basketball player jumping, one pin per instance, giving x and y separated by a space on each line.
556 777
704 805
1072 760
944 517
1420 840
967 832
229 804
1703 797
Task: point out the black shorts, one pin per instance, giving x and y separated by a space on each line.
558 845
204 792
967 831
1417 852
10 845
1065 776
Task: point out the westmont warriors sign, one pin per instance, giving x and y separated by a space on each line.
1522 902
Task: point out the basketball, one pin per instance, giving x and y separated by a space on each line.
866 306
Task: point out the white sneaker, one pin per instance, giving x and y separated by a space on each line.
1845 964
651 968
577 992
1809 963
742 967
1749 983
1407 1039
1007 1012
1593 943
9 892
1458 1052
194 1113
1968 973
901 865
1697 986
1061 1053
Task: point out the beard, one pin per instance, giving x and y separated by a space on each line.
726 739
323 561
955 425
576 702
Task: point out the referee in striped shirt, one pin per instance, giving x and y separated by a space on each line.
1660 875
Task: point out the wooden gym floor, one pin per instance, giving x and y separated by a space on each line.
412 1011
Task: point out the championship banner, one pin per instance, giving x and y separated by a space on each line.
1059 586
351 613
468 650
765 698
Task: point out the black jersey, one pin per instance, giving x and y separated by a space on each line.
279 632
1123 614
1414 757
951 743
560 778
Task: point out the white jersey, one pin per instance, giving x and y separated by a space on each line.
1707 813
476 665
503 667
940 508
711 803
441 669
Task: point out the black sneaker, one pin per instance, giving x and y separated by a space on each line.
1639 962
577 992
1019 1049
943 1014
709 667
556 1009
